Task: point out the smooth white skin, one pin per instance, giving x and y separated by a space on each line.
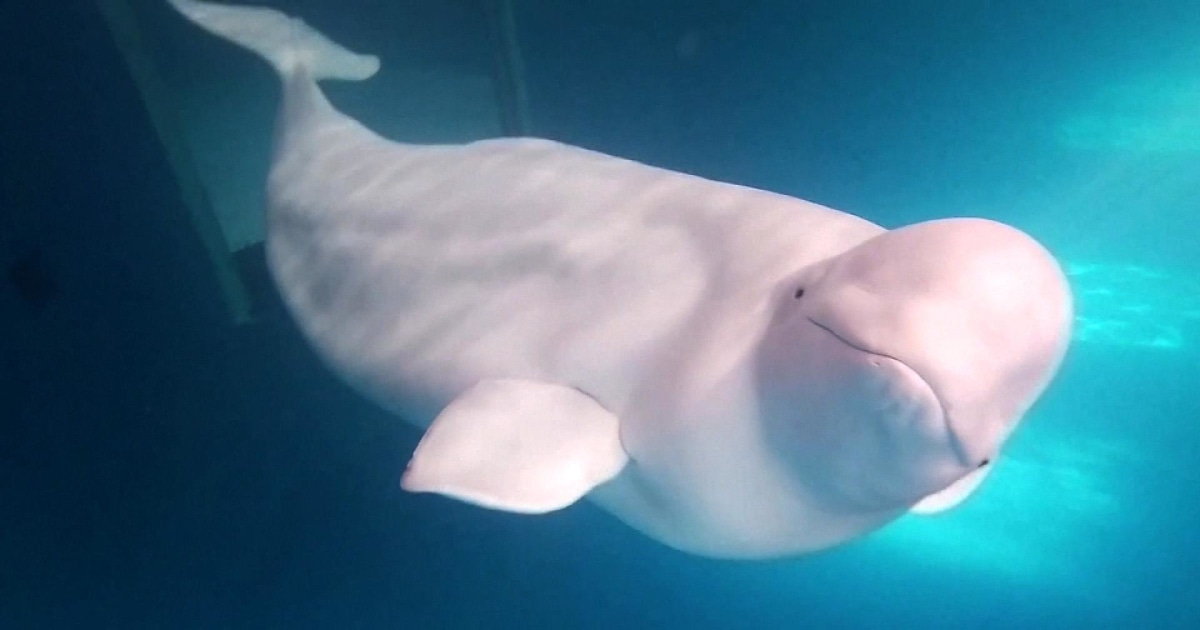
753 430
757 424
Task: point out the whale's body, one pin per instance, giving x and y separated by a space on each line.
567 324
643 287
554 263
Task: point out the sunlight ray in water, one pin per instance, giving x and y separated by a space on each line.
1135 305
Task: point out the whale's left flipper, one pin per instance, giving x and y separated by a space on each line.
954 494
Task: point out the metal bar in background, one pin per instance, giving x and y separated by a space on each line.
122 23
508 69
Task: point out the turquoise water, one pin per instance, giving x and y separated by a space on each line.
162 469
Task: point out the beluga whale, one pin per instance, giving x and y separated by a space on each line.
734 373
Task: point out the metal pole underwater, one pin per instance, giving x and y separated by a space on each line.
126 32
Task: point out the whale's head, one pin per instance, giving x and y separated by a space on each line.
902 365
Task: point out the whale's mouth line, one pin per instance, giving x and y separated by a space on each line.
955 441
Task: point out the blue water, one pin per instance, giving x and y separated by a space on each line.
160 468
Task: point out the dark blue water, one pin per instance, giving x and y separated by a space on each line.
160 468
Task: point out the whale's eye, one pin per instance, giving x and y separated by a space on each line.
799 293
985 462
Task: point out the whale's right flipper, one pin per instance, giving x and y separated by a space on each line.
519 446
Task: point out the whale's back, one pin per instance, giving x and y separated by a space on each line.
418 270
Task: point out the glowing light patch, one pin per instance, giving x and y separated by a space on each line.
1132 305
1154 114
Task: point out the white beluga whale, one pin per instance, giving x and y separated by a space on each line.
734 373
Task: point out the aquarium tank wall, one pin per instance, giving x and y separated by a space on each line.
173 454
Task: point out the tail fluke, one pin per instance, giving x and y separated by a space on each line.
287 43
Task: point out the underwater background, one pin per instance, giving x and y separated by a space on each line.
163 468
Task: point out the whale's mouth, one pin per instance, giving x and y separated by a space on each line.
960 450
